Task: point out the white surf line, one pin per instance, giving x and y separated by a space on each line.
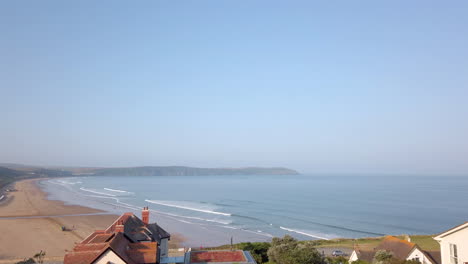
1 197
171 216
86 190
53 182
190 217
115 190
71 183
188 208
137 208
119 203
204 219
302 233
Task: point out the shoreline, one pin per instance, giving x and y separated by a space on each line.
195 232
5 196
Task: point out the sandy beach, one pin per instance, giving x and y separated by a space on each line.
30 223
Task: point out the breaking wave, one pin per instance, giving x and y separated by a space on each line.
187 208
101 193
303 233
335 226
62 183
115 190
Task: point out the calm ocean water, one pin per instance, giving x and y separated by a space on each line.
305 206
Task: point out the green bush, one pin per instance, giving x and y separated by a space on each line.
287 250
258 250
360 261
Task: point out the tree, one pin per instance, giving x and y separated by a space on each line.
288 250
383 256
258 250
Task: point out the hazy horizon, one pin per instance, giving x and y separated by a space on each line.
374 87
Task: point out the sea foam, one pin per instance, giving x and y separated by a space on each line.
115 190
91 191
302 233
163 203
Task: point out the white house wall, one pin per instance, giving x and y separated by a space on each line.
416 253
459 238
353 257
109 257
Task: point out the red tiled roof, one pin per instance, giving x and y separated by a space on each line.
400 248
366 255
101 238
97 232
80 257
123 219
132 253
217 256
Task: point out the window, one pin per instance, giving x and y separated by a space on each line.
417 259
453 254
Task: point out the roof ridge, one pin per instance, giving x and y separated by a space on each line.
451 230
400 240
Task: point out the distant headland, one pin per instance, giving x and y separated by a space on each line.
10 172
189 171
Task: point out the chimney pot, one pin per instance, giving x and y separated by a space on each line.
119 227
145 215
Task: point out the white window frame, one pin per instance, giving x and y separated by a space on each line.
453 254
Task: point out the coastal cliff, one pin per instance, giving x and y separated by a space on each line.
189 171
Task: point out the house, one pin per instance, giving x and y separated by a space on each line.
454 245
358 254
127 240
117 248
401 249
130 240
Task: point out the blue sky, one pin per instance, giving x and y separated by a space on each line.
318 86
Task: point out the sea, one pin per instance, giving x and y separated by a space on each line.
210 210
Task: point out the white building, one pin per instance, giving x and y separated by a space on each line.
422 256
401 249
454 245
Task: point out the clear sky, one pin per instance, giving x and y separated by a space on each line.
317 86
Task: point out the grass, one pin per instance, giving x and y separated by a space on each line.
364 243
425 242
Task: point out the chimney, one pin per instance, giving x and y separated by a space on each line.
145 215
408 238
119 227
